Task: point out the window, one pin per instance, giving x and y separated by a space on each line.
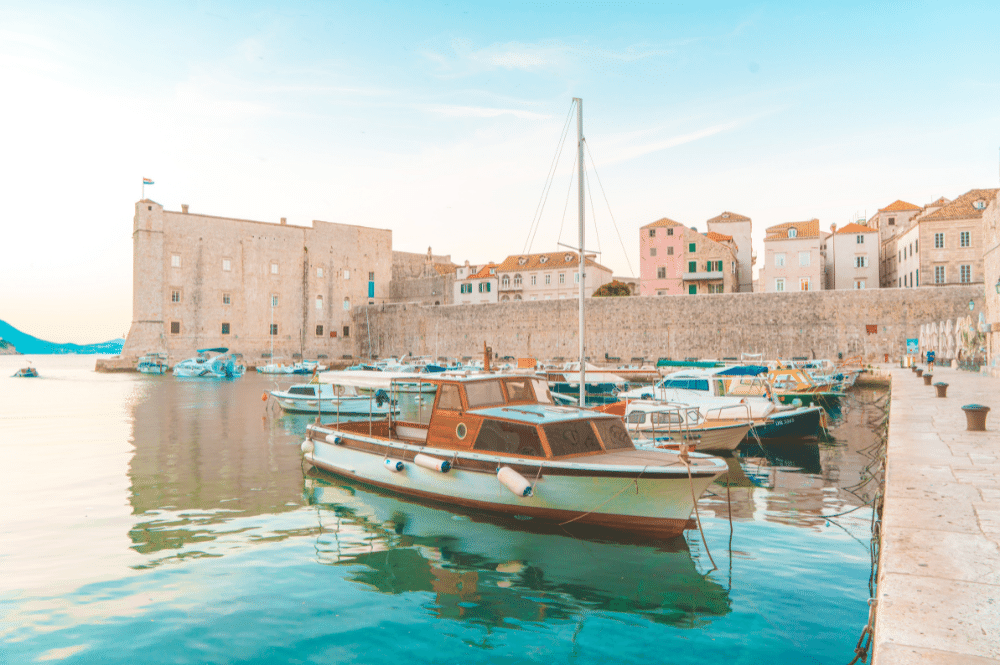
900 259
792 232
692 289
371 276
733 263
483 393
347 331
175 327
227 265
779 260
965 274
979 205
227 299
347 274
319 272
661 273
572 437
274 300
652 233
175 296
911 279
859 284
692 266
225 328
319 331
562 278
670 250
860 261
803 258
484 287
517 281
939 274
548 279
715 288
274 268
916 245
964 239
533 279
505 281
692 247
892 221
510 438
803 284
916 273
860 240
450 398
274 328
175 260
938 241
779 284
347 301
319 303
670 232
652 251
576 278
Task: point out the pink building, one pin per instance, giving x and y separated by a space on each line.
661 258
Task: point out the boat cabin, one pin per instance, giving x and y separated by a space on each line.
510 415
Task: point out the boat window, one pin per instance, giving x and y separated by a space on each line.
520 391
504 437
613 434
451 398
667 418
572 437
483 393
302 390
686 384
636 417
542 394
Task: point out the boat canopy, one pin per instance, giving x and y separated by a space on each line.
743 370
217 350
705 364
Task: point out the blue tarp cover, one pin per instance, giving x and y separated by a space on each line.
744 370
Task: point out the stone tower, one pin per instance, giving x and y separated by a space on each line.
146 333
739 227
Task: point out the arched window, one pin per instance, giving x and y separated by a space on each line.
505 281
517 281
792 232
517 296
504 298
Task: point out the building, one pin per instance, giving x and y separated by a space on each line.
203 281
951 240
891 222
739 228
551 276
424 279
991 274
853 253
793 257
674 260
476 285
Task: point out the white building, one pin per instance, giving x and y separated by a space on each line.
853 251
476 285
793 258
551 276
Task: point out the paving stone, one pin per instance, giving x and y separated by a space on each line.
943 554
897 654
937 514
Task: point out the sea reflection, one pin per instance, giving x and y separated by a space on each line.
494 571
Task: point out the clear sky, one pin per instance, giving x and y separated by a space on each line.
439 121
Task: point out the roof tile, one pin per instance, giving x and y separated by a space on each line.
964 206
552 261
899 206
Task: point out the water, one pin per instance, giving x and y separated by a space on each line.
158 520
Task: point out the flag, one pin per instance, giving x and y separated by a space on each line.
147 181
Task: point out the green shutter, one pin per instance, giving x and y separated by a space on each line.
692 266
692 289
692 247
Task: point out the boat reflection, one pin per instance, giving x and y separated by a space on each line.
494 571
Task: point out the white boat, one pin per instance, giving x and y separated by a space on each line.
333 400
654 424
153 363
215 363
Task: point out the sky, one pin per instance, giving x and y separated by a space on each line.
440 121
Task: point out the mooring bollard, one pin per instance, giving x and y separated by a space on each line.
942 388
975 417
927 379
920 373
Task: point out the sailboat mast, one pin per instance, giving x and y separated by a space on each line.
582 213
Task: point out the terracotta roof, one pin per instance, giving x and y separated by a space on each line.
718 237
940 202
962 207
484 272
661 222
730 217
899 206
809 229
553 261
445 268
856 228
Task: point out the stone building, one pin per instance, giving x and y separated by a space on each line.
739 228
674 259
477 285
853 253
426 279
551 276
794 258
991 275
952 242
891 222
203 281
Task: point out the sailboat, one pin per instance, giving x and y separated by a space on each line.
496 442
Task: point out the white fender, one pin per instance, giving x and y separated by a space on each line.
514 481
393 465
307 446
334 439
432 463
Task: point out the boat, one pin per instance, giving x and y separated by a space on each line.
658 424
496 442
791 384
28 372
602 386
153 363
333 399
216 363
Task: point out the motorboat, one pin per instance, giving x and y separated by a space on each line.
28 372
497 442
792 383
333 399
602 385
658 424
153 363
215 363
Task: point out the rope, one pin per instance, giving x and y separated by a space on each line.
694 499
593 165
549 178
606 501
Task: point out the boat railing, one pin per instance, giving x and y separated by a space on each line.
720 409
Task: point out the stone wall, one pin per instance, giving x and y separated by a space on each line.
436 289
815 324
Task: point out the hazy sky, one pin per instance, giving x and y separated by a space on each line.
439 121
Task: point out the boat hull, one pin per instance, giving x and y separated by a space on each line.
360 406
790 424
712 439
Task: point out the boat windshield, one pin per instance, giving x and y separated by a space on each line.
302 390
483 393
542 394
613 434
520 390
685 384
572 437
504 437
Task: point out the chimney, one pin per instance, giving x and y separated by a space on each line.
184 208
284 221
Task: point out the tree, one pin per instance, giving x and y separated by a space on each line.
613 289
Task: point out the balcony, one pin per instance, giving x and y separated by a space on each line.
702 276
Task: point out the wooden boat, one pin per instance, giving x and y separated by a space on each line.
153 363
496 442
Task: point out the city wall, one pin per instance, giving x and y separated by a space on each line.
814 324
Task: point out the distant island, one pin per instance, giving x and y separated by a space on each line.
23 343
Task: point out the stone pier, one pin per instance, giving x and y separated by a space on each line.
939 572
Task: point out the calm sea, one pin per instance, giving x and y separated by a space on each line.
162 520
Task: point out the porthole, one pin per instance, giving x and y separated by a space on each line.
461 430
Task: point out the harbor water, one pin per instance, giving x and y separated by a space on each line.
150 519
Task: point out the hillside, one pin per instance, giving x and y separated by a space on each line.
27 344
7 349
